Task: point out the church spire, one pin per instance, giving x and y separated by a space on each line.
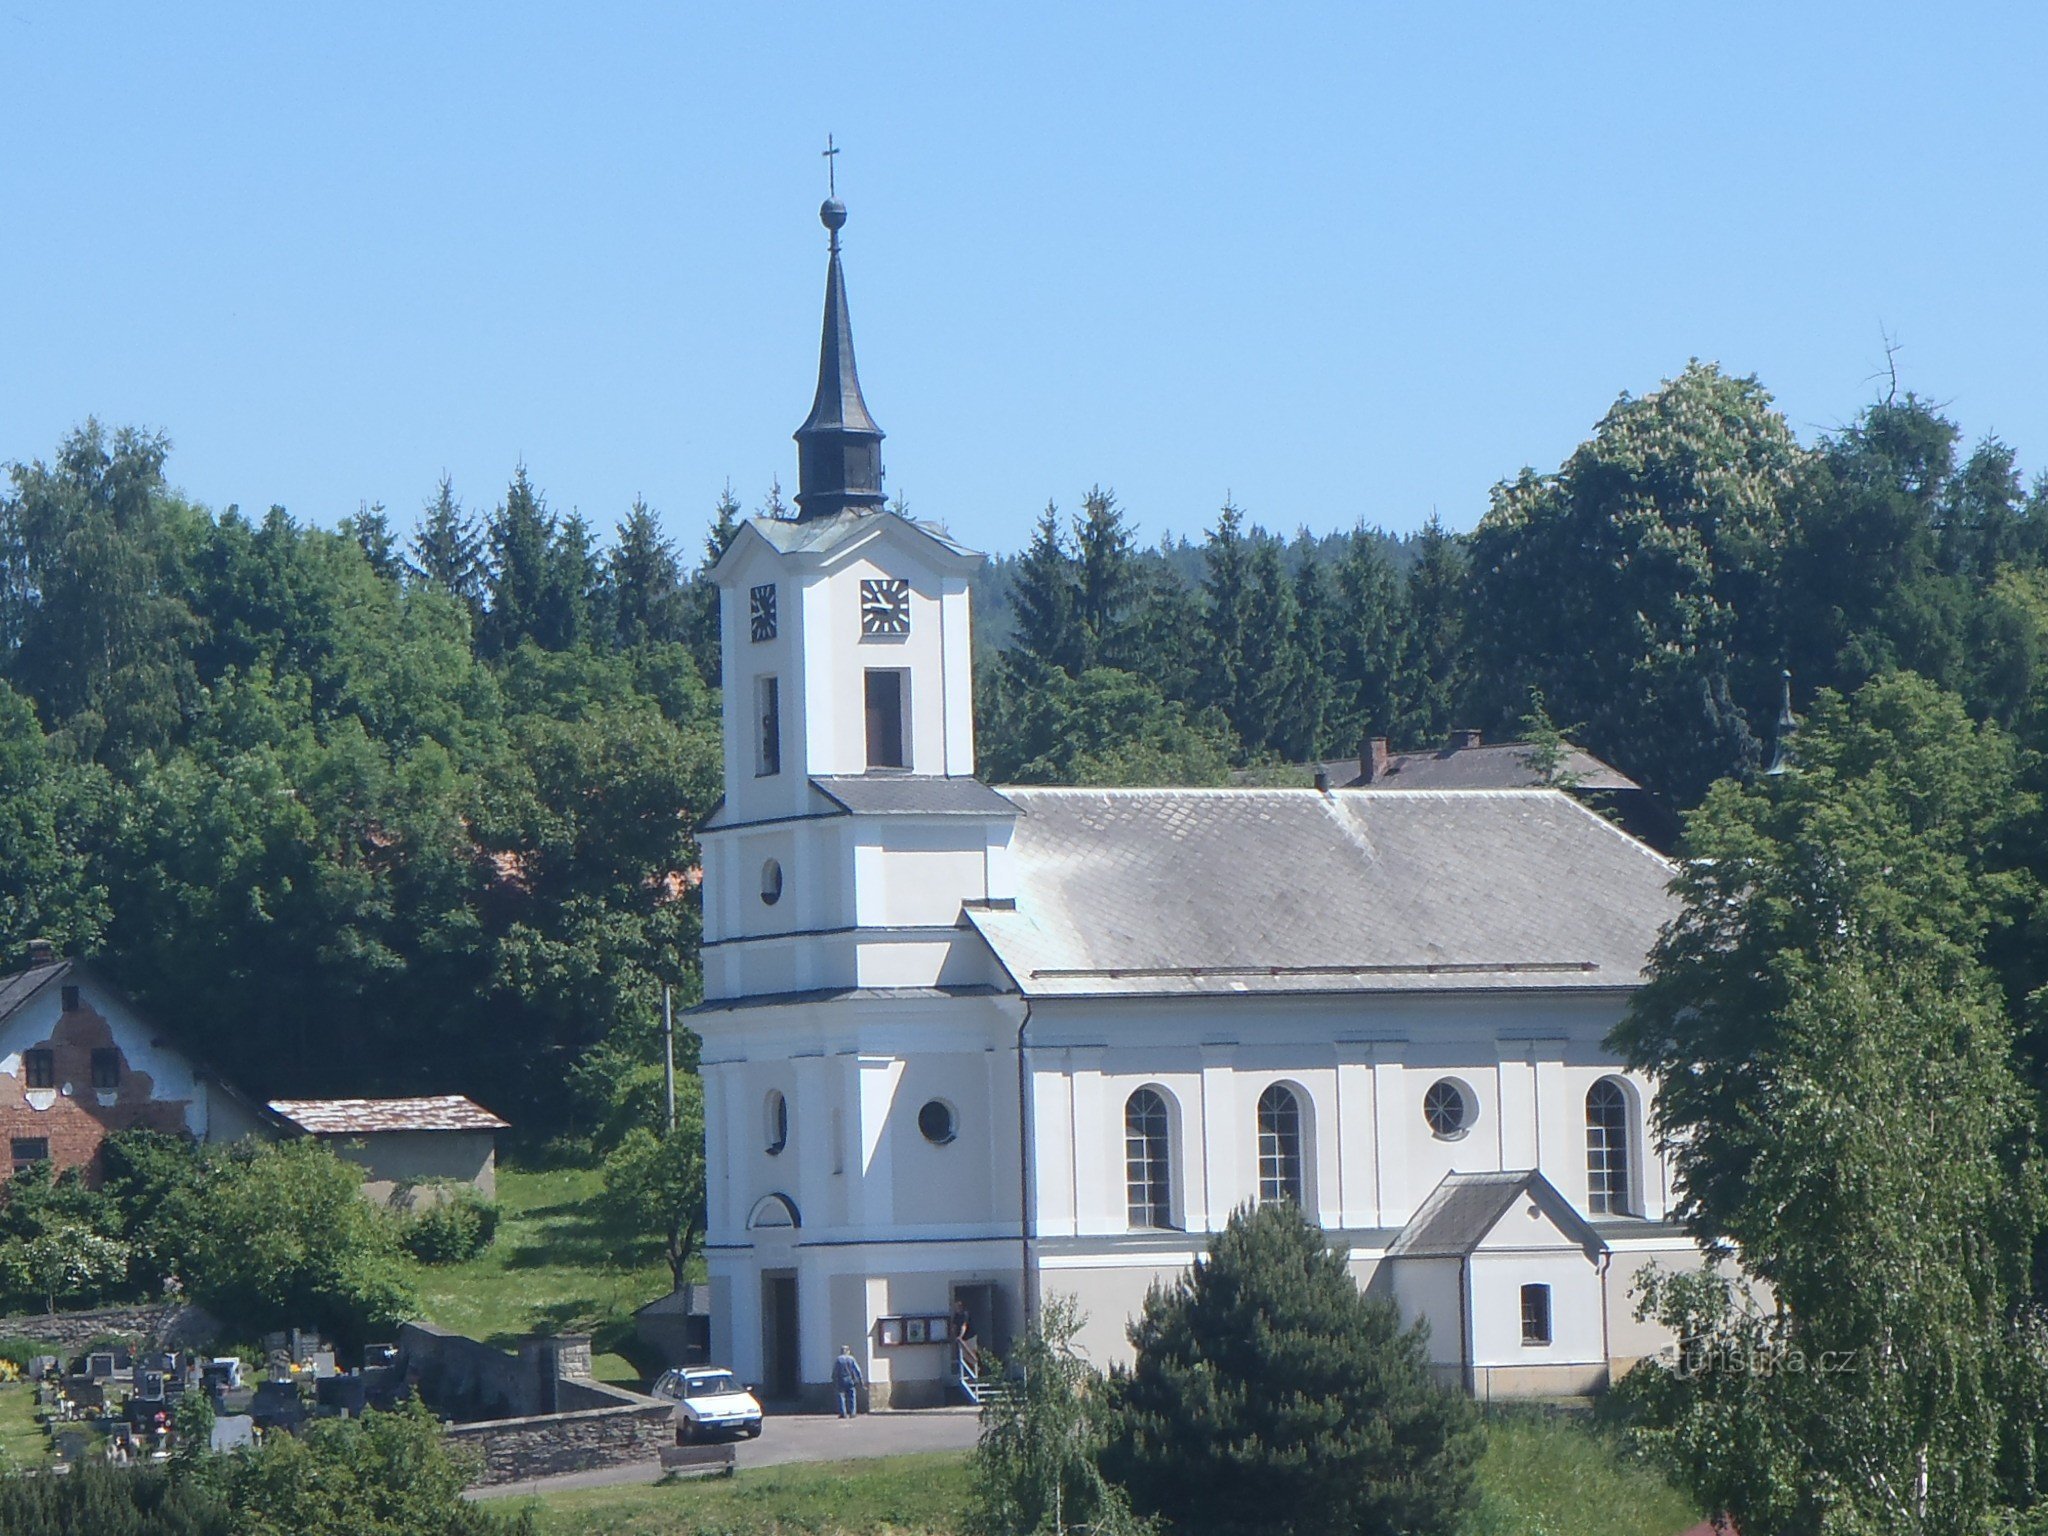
839 447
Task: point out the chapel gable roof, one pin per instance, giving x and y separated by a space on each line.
1462 1210
1221 891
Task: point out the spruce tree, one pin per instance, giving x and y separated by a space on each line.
1366 637
646 582
1270 1394
1106 582
448 551
1433 670
1044 593
701 598
521 542
1226 588
1306 731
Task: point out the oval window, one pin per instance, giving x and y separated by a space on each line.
1448 1109
771 882
936 1121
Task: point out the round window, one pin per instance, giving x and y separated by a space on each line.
1447 1108
771 882
936 1121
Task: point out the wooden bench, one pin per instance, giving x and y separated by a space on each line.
700 1460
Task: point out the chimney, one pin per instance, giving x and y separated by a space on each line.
1322 780
1460 740
1372 760
41 952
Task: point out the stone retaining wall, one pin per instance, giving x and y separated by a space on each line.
461 1378
173 1325
632 1429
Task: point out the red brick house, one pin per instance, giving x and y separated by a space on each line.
78 1062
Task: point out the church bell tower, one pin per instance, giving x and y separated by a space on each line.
849 718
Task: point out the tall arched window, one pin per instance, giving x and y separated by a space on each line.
1280 1145
1148 1157
778 1121
1607 1148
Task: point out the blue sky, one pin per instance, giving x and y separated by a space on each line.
1342 262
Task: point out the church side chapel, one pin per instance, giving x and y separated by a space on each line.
965 1048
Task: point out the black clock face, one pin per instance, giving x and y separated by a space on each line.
761 611
885 607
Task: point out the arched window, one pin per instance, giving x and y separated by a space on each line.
1148 1158
1607 1148
1280 1145
778 1121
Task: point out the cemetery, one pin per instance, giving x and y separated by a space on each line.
527 1414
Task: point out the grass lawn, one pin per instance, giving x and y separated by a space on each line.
1559 1476
22 1441
902 1495
555 1266
1541 1476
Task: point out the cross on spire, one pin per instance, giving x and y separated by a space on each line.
831 152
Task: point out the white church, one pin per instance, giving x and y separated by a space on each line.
966 1048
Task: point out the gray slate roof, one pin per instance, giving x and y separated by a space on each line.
23 985
1492 765
1461 1210
907 794
822 535
1219 891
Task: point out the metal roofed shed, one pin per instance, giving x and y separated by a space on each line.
402 1142
1213 891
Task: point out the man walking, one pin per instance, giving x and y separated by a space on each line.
846 1378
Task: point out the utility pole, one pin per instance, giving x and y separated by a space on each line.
668 1054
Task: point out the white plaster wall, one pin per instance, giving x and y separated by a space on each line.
1374 1158
1428 1290
1497 1278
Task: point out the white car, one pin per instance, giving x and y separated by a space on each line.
709 1401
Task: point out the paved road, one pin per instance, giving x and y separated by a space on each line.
797 1437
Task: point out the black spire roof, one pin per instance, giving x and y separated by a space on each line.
839 447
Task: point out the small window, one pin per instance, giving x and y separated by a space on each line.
71 999
771 882
29 1150
768 741
40 1068
106 1067
886 746
1448 1109
778 1122
935 1121
1535 1314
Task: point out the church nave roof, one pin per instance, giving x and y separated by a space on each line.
1178 891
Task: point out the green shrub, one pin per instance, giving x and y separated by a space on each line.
135 1501
447 1224
19 1352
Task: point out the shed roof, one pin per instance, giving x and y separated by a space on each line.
912 794
1132 891
360 1117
